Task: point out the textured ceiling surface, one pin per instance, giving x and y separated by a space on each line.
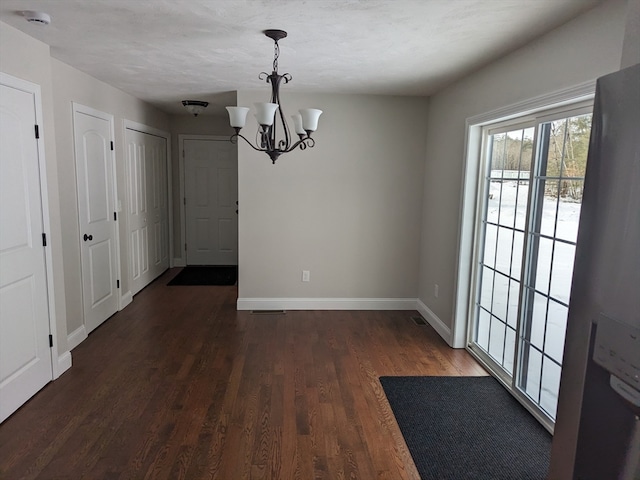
164 51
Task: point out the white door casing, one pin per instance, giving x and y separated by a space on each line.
211 193
147 198
95 175
25 353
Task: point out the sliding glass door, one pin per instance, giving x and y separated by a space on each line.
506 197
527 222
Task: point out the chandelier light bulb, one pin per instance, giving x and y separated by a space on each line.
310 118
238 116
265 113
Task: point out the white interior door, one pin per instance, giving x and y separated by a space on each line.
148 207
25 356
137 210
158 205
93 132
211 194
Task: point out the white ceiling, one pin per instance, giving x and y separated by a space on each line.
164 51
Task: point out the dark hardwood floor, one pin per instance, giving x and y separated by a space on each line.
181 385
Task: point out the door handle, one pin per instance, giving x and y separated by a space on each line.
87 237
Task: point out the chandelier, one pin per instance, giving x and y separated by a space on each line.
270 114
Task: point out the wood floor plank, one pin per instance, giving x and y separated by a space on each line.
181 385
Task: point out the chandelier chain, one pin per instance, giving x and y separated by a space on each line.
276 54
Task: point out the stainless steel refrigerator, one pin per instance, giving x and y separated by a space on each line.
597 433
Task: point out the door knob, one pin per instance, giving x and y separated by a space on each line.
87 237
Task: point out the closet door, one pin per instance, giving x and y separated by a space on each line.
96 184
25 355
148 214
137 211
158 206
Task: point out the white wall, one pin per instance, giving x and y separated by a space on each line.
27 58
71 85
347 210
580 51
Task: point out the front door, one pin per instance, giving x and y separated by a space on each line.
211 194
93 134
25 356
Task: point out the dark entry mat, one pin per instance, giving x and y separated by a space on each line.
463 428
209 275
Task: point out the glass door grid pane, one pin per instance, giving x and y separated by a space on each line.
503 222
555 204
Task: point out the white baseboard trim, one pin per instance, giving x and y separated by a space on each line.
125 299
437 324
326 304
64 363
76 337
179 262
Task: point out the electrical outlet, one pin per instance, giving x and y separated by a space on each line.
306 275
436 289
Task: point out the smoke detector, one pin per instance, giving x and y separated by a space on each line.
39 18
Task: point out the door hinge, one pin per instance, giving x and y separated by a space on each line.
184 201
44 239
50 341
111 145
117 283
185 246
115 216
37 128
183 156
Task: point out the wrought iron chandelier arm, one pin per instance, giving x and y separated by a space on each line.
305 142
284 144
302 143
235 136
